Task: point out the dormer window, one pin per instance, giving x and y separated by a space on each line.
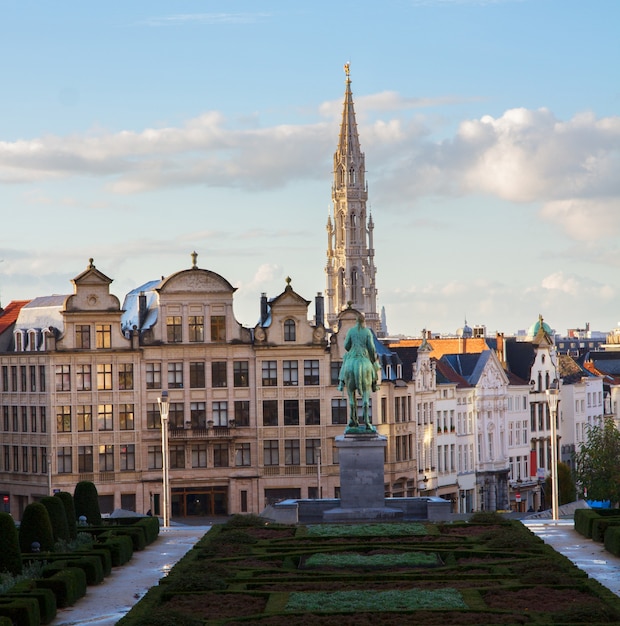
290 330
19 341
32 340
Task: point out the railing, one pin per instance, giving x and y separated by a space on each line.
222 432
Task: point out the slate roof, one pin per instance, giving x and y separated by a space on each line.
131 313
519 357
444 373
469 366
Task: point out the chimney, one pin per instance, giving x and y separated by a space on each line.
141 308
263 308
319 310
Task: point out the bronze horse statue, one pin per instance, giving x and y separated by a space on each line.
358 373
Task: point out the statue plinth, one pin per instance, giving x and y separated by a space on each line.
362 489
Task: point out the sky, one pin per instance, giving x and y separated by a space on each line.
136 132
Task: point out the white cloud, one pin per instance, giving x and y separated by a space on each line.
585 219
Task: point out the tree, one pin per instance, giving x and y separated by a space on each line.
86 502
596 462
566 485
10 554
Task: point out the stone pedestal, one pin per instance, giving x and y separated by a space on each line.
362 490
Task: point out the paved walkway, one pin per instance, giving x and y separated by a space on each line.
586 554
106 603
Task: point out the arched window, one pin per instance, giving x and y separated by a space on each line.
290 330
354 286
352 177
19 341
32 340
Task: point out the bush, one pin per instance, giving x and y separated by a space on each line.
68 585
45 598
600 526
67 500
35 526
22 611
151 528
86 502
58 517
250 520
487 517
10 554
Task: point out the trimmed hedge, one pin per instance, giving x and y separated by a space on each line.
67 500
600 526
86 502
612 540
120 547
90 563
45 598
68 585
10 554
584 519
58 517
21 611
35 526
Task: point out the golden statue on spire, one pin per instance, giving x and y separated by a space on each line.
346 69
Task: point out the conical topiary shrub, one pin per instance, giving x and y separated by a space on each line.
86 502
10 554
35 527
58 518
67 500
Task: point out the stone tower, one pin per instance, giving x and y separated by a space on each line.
350 265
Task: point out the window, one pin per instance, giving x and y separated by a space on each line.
5 419
270 373
24 378
313 412
291 412
197 375
242 412
153 416
339 411
313 451
198 414
291 452
63 419
104 417
5 378
63 378
65 465
125 417
289 373
290 331
125 376
241 373
33 419
175 375
106 458
103 333
104 376
271 453
270 412
34 456
153 457
334 371
33 378
83 377
175 415
43 418
16 458
220 413
16 419
220 455
44 468
24 458
24 419
242 455
174 329
82 337
13 377
199 455
85 459
196 328
42 377
218 328
177 456
218 374
153 375
311 372
7 458
84 418
128 457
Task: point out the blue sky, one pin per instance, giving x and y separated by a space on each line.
137 132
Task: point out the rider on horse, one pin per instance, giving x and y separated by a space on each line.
359 369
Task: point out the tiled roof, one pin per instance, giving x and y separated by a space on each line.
8 315
441 346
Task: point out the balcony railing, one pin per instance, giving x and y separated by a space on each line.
222 432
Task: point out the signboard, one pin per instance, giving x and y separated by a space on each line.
518 497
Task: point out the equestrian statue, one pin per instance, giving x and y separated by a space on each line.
358 374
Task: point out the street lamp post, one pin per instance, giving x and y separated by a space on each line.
164 408
553 397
